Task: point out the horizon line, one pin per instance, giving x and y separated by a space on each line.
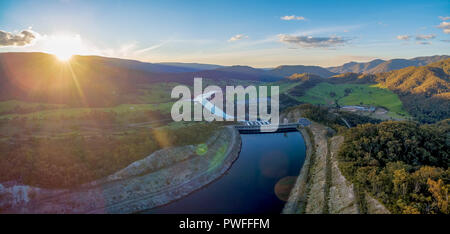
215 64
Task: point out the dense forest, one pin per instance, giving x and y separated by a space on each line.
402 164
427 110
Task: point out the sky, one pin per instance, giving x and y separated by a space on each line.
254 33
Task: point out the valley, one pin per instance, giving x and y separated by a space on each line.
93 131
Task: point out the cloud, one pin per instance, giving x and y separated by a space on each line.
445 27
444 18
421 39
237 37
425 37
292 17
327 30
403 37
153 47
20 39
312 42
423 43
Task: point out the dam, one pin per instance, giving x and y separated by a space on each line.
256 127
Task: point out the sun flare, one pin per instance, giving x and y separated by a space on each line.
65 46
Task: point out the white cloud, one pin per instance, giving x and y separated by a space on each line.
423 43
327 30
312 42
403 37
425 37
23 38
444 18
292 17
445 27
421 39
153 47
238 37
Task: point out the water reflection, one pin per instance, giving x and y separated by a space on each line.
258 182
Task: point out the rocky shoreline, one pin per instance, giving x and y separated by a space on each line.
296 202
143 185
320 187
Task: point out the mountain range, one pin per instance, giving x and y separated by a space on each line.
423 90
283 71
378 65
101 81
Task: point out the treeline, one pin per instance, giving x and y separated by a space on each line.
355 119
331 118
286 101
402 164
70 160
427 109
308 83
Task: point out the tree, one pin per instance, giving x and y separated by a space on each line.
439 190
400 181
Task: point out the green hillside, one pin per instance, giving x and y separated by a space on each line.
354 94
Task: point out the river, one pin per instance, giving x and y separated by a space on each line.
256 182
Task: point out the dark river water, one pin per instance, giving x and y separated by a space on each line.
249 186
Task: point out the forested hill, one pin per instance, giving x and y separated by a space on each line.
288 70
101 81
428 80
403 164
378 65
424 91
93 80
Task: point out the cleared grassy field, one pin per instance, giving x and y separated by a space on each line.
77 112
155 97
17 106
357 94
285 86
157 93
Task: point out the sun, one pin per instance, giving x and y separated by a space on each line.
63 56
64 46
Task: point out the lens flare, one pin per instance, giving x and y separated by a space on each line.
64 46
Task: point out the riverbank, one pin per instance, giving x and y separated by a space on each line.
145 184
320 187
296 202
